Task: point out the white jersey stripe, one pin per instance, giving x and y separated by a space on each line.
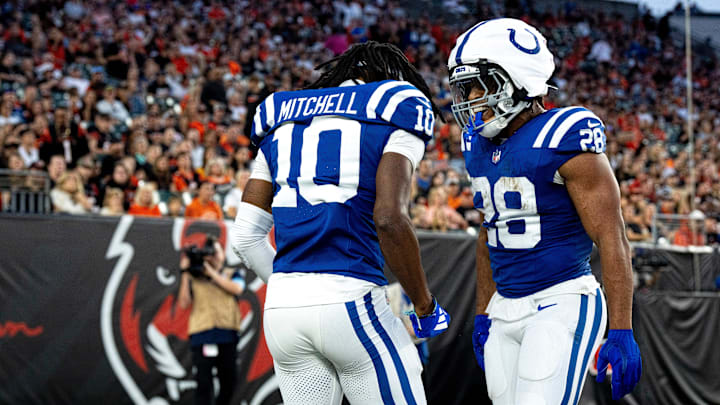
270 110
567 123
258 123
377 96
398 98
546 128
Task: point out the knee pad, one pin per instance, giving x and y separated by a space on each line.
496 373
543 350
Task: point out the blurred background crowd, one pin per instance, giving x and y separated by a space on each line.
145 107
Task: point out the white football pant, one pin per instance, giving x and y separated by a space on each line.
358 348
542 358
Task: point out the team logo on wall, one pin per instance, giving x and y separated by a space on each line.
144 330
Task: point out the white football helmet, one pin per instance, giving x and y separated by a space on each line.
509 61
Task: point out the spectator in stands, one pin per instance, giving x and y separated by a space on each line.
439 216
54 73
7 114
161 173
242 159
175 206
143 205
120 179
203 205
184 178
234 197
15 162
110 105
56 168
712 232
113 202
634 227
690 232
28 149
216 173
87 173
68 196
64 138
423 177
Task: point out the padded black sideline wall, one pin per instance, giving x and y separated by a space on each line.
88 315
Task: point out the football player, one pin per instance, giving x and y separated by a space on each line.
333 173
546 192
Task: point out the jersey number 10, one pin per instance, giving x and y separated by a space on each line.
348 172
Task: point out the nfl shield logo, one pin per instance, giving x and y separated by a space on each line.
496 156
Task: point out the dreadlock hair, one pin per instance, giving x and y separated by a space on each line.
372 62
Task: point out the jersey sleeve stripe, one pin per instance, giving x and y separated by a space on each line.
257 123
377 96
549 124
398 98
270 111
571 120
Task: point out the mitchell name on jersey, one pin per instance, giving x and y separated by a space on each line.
535 237
323 147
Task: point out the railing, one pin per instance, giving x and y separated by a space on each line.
25 192
679 230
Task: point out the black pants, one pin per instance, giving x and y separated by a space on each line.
226 373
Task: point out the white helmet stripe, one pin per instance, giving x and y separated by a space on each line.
465 37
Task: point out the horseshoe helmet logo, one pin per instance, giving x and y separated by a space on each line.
522 48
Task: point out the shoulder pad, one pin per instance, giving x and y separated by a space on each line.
572 129
404 106
263 120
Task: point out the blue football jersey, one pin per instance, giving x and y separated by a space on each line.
535 237
323 147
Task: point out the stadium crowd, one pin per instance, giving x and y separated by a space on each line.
145 107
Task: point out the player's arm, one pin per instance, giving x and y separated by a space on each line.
485 284
184 295
397 237
254 220
595 193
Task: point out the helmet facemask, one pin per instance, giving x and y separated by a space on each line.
497 96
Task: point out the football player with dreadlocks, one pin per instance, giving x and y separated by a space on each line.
546 192
333 174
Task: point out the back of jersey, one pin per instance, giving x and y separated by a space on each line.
323 148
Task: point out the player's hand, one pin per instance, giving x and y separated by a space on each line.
432 324
184 262
622 352
481 331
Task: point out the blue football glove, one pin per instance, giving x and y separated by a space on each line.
622 352
431 324
481 331
470 127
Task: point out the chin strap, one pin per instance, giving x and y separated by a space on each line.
494 127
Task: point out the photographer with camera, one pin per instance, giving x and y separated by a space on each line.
214 322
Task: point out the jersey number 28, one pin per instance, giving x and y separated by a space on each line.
509 206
